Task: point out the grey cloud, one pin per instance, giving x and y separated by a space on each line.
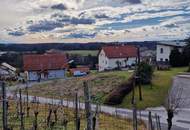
16 33
171 26
73 20
132 1
59 7
45 25
81 35
101 16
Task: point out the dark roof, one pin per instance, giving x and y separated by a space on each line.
120 51
44 62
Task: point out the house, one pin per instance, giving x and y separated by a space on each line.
163 50
45 66
80 71
112 57
7 71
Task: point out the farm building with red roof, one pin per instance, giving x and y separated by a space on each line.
113 57
45 66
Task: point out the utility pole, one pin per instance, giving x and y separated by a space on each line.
21 111
138 75
133 91
5 127
88 106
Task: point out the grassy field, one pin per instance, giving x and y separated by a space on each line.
100 84
83 52
155 96
63 113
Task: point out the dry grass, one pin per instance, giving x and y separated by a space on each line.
101 84
105 121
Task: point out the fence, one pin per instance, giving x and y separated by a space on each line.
19 112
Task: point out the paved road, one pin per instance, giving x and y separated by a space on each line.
182 83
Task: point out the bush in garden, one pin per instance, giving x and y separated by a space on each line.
145 73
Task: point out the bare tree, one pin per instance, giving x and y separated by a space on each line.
174 102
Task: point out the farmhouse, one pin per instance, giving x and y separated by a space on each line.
45 66
163 50
112 57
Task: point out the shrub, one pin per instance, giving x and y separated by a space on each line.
145 73
117 95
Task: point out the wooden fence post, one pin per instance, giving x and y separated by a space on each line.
150 125
134 116
4 103
88 106
27 102
21 111
77 119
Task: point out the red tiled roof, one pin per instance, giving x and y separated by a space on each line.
120 51
81 69
44 62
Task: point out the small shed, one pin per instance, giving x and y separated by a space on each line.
80 71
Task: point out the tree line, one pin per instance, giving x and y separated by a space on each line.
180 58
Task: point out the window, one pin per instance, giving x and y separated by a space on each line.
166 60
161 50
161 59
106 62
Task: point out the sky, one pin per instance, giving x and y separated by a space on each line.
38 21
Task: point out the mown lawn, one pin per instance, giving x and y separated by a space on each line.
83 52
155 96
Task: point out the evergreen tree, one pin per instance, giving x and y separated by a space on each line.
176 58
145 73
186 53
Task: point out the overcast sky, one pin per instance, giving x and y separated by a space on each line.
34 21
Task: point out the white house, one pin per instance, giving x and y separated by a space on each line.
163 50
46 66
111 57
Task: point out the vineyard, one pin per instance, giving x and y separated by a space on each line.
19 112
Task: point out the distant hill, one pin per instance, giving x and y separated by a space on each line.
42 47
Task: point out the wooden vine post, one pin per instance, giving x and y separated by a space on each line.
4 103
21 111
88 106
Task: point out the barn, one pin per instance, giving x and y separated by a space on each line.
45 66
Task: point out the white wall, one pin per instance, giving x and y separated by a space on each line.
166 52
52 74
32 75
56 74
102 61
112 62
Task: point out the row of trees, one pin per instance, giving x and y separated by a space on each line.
178 58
